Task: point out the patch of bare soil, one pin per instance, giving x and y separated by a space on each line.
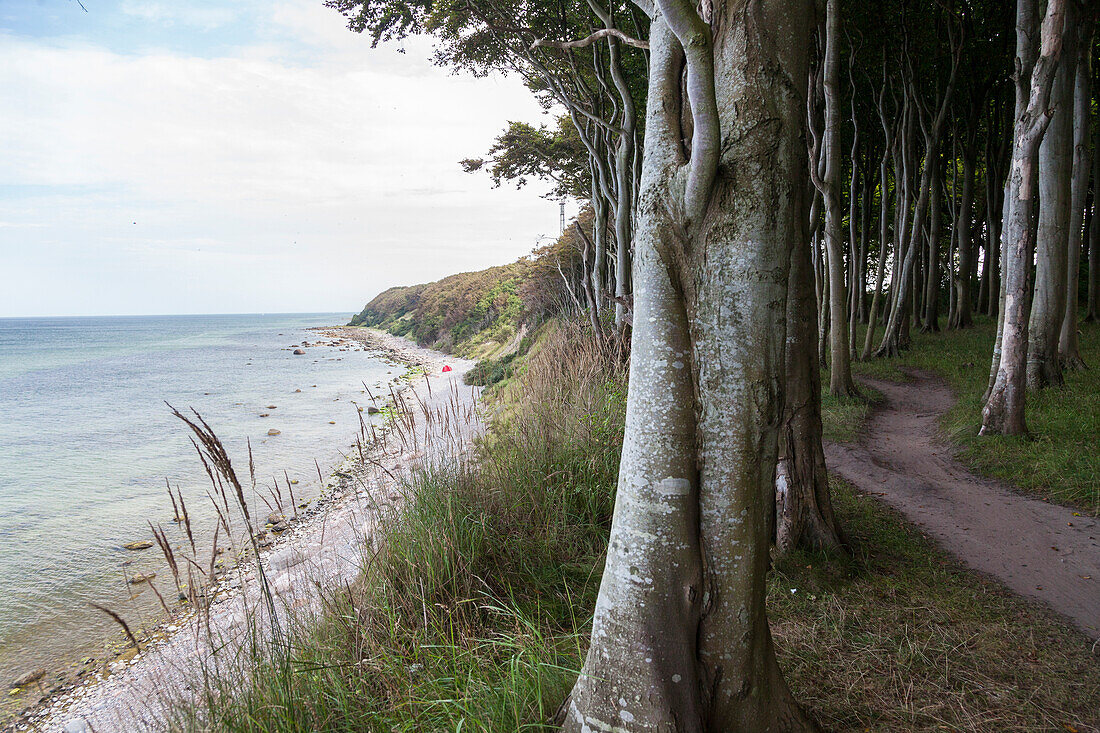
1039 550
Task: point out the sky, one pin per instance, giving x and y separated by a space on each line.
240 156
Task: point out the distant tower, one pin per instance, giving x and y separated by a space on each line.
561 209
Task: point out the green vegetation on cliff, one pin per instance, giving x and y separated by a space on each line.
487 312
470 313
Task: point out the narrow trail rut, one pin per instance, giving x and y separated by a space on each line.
1039 550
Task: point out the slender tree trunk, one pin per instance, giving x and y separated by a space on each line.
1093 305
840 370
964 317
884 204
1069 352
599 238
680 639
931 321
1055 171
587 280
624 177
1004 408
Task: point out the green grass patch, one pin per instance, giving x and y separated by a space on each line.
1059 462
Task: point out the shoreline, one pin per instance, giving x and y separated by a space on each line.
135 687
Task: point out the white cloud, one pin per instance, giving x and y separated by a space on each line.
329 171
196 15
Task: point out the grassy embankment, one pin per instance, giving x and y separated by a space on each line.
473 614
1060 462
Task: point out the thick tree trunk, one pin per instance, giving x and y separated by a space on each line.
1004 408
1055 170
680 639
803 507
1069 352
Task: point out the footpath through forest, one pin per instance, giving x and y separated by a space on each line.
1039 550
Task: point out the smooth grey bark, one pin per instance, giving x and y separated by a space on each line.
1004 407
1092 314
587 280
680 639
894 337
599 237
1055 171
1069 352
884 204
840 369
931 319
962 316
624 171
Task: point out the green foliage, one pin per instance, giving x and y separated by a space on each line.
524 151
456 313
489 372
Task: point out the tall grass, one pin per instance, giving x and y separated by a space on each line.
471 614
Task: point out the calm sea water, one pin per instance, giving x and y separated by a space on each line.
86 443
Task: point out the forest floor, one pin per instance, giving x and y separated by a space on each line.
1039 550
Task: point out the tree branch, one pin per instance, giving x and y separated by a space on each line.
697 41
602 33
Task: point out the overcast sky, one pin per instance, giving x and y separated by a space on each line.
228 156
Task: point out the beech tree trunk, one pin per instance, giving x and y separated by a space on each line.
884 204
1004 408
803 504
931 320
1093 306
1069 353
680 639
1048 306
963 314
840 369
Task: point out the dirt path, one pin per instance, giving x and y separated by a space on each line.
1039 550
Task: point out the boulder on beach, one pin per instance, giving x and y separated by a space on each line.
372 410
273 431
139 545
299 352
29 678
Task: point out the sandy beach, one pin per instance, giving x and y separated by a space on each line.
432 415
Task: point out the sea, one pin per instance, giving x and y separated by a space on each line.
88 442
